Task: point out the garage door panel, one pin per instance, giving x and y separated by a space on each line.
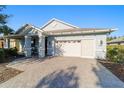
68 48
76 48
88 48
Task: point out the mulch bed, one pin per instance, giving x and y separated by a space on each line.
6 73
116 68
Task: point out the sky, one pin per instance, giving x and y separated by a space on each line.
82 16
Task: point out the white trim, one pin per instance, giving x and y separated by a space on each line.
54 19
37 29
66 23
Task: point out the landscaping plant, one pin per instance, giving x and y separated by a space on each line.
115 53
2 55
8 53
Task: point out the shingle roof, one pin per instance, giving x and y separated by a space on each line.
81 31
24 27
28 27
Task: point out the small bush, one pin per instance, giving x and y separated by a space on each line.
11 52
115 53
14 52
7 53
2 55
120 55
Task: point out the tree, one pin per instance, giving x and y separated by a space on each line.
109 38
114 37
6 30
3 20
3 17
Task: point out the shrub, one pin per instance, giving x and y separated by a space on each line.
14 52
2 55
115 53
7 53
11 52
120 55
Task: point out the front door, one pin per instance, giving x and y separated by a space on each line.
34 46
45 46
50 46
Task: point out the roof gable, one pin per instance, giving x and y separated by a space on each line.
56 24
23 29
28 29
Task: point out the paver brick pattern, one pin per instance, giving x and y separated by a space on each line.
61 72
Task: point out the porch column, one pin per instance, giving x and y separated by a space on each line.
53 47
27 46
6 43
41 46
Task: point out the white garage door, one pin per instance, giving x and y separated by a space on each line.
88 48
68 48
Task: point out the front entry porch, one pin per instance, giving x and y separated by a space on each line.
30 47
27 45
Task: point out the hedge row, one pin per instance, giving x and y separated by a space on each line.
115 53
7 53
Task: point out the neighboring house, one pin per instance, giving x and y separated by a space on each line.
58 38
1 42
119 41
11 43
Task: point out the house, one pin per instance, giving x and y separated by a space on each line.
58 38
118 41
11 43
1 42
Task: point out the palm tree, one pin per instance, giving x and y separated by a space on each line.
6 30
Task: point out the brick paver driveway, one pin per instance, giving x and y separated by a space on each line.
61 72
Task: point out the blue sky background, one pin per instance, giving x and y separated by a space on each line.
82 16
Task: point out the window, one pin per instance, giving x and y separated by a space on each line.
49 43
78 41
64 41
74 41
2 44
101 43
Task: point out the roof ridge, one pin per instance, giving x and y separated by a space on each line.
55 19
